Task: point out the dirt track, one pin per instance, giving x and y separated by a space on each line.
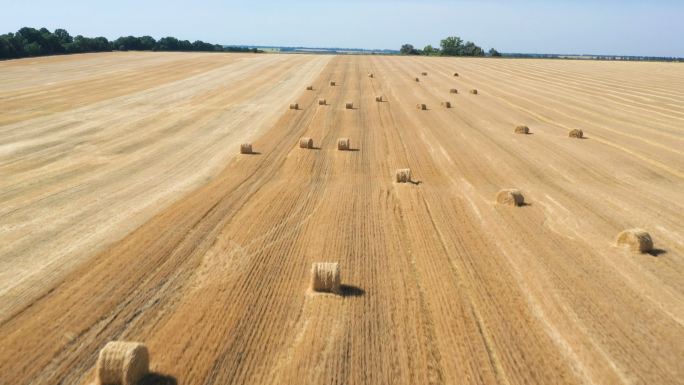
126 213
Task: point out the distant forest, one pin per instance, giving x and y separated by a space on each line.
450 46
455 46
28 42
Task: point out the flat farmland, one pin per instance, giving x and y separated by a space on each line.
128 213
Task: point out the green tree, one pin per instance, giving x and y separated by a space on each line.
185 45
452 46
147 43
100 44
429 50
168 44
470 49
199 45
6 48
126 43
408 49
86 44
14 45
51 44
63 36
33 49
494 53
30 34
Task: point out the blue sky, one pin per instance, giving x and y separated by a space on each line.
627 27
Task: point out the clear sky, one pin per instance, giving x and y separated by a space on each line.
627 27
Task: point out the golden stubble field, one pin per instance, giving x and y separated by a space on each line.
127 213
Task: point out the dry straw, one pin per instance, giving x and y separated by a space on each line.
309 88
122 363
453 91
446 104
343 144
349 106
294 106
325 277
576 133
332 84
638 241
403 175
306 143
473 91
510 197
322 102
421 106
522 130
246 148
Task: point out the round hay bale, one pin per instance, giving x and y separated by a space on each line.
446 104
309 88
378 98
325 277
246 148
122 363
455 73
473 91
510 197
343 144
421 106
403 175
370 75
349 106
417 79
576 133
306 143
322 102
453 91
294 106
332 84
522 130
424 73
638 240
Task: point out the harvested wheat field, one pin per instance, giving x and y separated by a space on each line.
127 213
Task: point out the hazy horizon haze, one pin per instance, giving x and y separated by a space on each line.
530 26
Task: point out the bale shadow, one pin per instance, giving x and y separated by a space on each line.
415 182
525 204
157 379
351 291
253 153
314 148
657 252
353 150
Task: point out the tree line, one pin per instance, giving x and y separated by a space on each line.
28 42
450 46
